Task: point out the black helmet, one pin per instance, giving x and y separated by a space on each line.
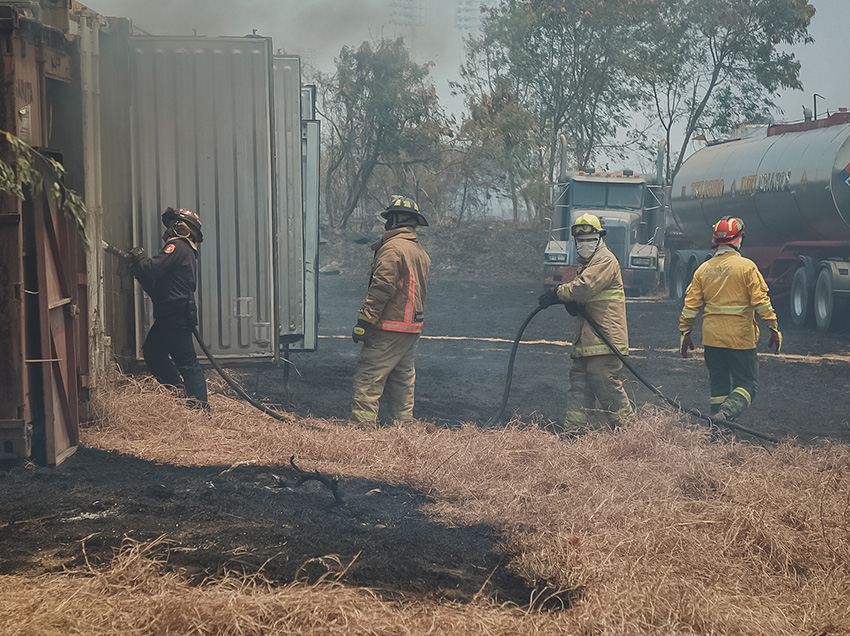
406 206
190 218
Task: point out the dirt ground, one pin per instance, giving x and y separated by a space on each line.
252 517
470 328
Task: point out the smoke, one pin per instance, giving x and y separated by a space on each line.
317 28
314 29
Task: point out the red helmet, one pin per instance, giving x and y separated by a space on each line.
190 218
728 230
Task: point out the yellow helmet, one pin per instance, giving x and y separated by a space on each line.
587 224
404 206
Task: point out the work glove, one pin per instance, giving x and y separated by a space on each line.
572 307
685 343
133 256
360 333
549 298
775 340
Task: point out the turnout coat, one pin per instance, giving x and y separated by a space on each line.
398 283
599 287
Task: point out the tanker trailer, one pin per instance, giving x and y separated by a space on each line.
791 187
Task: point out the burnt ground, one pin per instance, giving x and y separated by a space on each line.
469 331
250 516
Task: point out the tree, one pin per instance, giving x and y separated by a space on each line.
382 109
564 58
704 65
502 138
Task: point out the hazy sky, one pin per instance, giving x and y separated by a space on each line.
318 29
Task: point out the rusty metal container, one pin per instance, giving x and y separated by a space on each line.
43 283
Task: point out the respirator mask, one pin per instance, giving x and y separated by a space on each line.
585 247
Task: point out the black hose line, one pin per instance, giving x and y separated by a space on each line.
235 386
717 421
495 419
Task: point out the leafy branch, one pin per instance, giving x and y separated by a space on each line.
39 174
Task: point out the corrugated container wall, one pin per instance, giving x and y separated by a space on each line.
201 139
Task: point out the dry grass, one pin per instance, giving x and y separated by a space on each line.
653 529
139 595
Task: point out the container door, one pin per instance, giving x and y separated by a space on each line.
310 154
202 139
52 350
311 168
288 195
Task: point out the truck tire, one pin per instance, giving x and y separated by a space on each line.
679 281
826 306
802 304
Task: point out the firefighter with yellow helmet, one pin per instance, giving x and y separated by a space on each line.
389 322
730 291
595 380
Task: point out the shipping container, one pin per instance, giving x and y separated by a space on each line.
141 122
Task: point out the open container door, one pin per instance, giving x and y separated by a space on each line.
311 140
288 204
296 144
202 139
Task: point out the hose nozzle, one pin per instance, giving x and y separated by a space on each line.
111 249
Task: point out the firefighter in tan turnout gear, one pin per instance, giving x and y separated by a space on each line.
390 321
598 287
730 290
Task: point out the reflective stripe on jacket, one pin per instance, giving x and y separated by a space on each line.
730 290
398 283
599 287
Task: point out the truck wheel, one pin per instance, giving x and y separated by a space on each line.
679 281
825 305
801 298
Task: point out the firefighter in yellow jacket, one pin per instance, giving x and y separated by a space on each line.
730 290
598 287
390 321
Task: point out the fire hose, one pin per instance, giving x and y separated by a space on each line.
125 256
717 421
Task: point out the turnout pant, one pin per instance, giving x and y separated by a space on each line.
595 380
169 353
733 376
386 362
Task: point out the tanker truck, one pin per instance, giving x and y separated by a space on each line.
791 186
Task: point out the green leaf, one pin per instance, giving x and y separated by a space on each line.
38 174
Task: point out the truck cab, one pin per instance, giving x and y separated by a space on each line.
627 205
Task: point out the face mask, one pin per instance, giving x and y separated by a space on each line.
586 248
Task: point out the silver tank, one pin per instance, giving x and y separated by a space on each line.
789 187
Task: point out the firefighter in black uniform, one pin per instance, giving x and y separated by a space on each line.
170 279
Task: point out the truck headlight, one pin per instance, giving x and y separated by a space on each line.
556 258
642 261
